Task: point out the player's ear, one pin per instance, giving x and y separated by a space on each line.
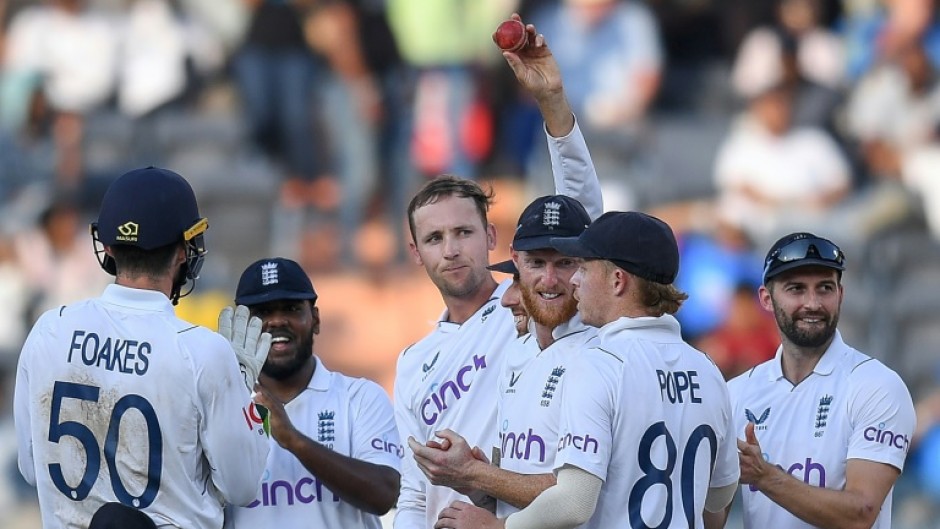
765 297
415 256
491 236
315 313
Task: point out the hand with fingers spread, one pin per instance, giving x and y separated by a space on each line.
251 345
450 462
754 467
462 515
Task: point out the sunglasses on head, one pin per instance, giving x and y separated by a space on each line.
805 248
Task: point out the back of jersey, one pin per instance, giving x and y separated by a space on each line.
117 393
666 408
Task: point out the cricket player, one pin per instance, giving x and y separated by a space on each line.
335 451
119 401
534 371
824 429
449 379
645 437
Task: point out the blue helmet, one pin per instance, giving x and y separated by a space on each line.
150 208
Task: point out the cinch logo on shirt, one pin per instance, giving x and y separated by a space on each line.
433 406
583 444
805 471
308 489
886 437
384 446
520 445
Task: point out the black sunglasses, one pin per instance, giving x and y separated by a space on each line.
803 248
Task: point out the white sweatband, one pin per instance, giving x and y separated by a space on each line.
567 504
719 497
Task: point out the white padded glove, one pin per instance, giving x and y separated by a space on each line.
251 345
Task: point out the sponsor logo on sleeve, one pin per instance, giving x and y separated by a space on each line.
881 435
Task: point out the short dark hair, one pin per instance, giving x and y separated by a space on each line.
445 186
135 261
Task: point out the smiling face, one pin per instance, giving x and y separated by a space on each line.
545 282
292 324
806 303
453 245
512 300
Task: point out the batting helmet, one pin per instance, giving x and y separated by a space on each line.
150 208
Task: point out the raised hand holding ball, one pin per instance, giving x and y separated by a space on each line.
511 35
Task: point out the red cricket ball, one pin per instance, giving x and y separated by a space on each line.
511 35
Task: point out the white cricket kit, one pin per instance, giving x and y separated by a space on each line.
450 378
850 407
649 415
529 394
119 400
351 416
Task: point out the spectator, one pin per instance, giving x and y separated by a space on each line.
611 58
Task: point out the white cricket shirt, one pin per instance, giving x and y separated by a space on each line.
119 400
850 407
450 378
351 416
529 395
649 415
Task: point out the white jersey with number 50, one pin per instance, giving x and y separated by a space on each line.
116 399
649 415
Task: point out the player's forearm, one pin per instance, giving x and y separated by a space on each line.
573 171
366 486
510 487
716 520
557 113
824 508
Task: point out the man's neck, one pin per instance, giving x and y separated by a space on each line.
286 389
799 362
163 285
460 309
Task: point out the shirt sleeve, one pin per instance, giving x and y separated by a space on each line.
234 443
412 499
374 434
727 470
587 414
573 170
882 415
22 422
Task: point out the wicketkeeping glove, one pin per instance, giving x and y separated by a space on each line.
251 345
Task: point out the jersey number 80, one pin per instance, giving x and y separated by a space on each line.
652 475
91 446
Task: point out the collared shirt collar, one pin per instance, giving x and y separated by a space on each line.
320 381
826 365
571 326
137 298
666 327
445 325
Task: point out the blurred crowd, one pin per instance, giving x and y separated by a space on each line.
306 125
